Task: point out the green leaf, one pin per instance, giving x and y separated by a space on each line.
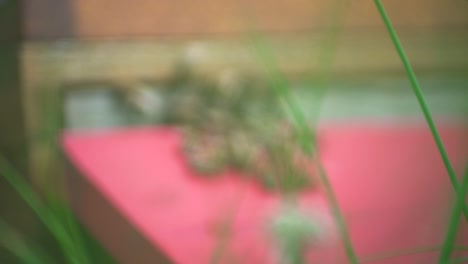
53 222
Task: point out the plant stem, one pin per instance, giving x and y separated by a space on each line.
451 234
52 222
226 229
337 215
405 252
422 102
335 21
12 241
281 87
460 260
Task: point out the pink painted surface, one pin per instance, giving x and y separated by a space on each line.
390 183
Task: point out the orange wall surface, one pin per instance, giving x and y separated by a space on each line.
126 18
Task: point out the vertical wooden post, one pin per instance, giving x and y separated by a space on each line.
12 125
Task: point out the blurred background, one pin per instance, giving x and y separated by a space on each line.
68 64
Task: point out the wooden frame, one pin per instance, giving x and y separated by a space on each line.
48 66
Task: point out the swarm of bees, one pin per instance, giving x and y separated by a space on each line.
235 122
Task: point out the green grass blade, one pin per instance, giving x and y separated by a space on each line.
281 87
12 241
335 21
225 231
52 223
420 97
454 223
62 212
52 187
459 261
337 215
375 258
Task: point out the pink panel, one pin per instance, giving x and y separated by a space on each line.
390 182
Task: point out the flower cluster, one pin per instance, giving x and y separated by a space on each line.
234 121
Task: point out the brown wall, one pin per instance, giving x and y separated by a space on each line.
121 18
47 19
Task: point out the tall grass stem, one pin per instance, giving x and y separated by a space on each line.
420 97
